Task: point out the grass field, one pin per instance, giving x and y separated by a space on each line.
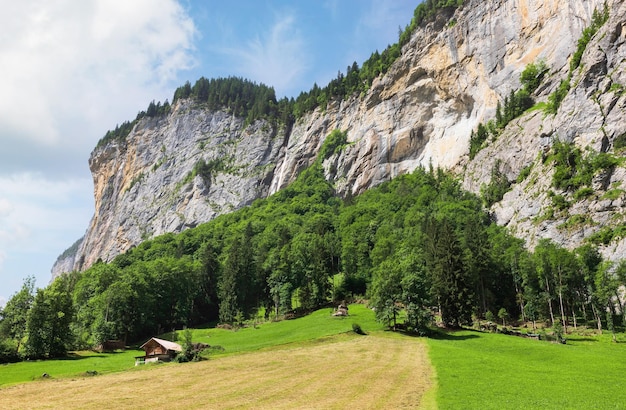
314 326
317 362
342 371
75 365
494 371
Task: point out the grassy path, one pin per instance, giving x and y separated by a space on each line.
343 371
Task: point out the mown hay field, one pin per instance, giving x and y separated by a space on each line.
343 371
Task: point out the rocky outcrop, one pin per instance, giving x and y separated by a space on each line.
173 173
449 78
591 117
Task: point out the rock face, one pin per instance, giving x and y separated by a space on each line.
450 77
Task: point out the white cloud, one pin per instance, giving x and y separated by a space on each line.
71 70
276 57
36 206
42 217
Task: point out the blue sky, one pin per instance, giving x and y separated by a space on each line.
69 71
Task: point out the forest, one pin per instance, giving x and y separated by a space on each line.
417 245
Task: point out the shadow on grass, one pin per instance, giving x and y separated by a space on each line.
95 355
453 335
581 338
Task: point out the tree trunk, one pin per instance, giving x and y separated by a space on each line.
597 317
563 319
549 301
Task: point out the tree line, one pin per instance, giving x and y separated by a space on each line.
418 243
251 101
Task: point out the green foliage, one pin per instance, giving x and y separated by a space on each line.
356 328
607 234
333 144
14 319
555 99
575 221
427 10
524 173
613 194
597 20
532 76
558 201
49 320
243 98
477 139
497 187
582 193
619 142
504 315
573 170
570 171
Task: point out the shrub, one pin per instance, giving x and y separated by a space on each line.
333 144
497 187
560 203
524 173
555 99
356 328
583 193
620 141
532 75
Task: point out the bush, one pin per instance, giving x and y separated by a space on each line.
524 173
356 328
555 99
333 144
583 193
620 141
497 187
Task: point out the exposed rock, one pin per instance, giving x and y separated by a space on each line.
449 78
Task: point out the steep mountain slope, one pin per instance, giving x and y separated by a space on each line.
590 126
450 77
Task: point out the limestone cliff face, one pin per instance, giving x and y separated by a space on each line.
592 117
150 184
449 78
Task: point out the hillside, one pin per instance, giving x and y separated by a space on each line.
450 76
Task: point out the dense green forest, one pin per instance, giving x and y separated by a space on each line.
251 101
418 243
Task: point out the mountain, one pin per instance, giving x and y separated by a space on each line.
458 71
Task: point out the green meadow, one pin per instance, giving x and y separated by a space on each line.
469 369
494 371
76 365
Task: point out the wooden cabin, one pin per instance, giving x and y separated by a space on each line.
158 350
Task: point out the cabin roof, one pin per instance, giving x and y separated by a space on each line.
165 343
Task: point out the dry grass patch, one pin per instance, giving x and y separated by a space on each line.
343 372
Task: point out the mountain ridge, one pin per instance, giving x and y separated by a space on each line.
449 78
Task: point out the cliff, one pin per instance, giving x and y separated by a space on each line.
450 77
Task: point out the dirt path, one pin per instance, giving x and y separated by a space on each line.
368 372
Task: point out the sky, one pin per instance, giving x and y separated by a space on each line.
71 70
